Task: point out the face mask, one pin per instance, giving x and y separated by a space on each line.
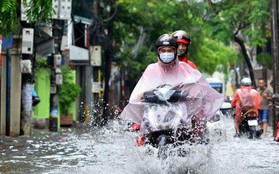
166 57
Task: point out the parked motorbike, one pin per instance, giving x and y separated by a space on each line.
249 125
164 123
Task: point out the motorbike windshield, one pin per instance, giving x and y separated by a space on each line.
201 100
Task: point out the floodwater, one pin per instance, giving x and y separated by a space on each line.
112 149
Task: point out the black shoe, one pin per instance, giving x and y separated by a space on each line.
236 135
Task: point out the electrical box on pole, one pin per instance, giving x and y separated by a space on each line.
95 55
58 79
27 40
62 9
57 63
26 66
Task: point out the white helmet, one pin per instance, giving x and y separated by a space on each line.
246 81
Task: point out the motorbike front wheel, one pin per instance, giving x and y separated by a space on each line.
162 142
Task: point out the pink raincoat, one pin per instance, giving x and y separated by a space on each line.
203 101
244 99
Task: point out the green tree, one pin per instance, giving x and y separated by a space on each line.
139 23
240 21
68 91
36 11
8 16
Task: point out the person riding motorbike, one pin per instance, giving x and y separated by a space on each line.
184 41
245 98
168 70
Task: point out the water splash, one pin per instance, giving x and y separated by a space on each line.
112 149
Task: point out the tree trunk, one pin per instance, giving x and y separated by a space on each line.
246 58
108 57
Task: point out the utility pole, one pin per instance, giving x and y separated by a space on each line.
62 14
56 76
275 58
27 75
108 52
95 69
96 62
27 56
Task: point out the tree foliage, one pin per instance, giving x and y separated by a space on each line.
265 59
139 23
38 10
8 16
242 21
248 18
68 91
10 12
212 25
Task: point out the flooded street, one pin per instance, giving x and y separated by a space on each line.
111 149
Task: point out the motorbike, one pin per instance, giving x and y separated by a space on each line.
164 122
249 125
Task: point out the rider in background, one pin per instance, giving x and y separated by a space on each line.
184 41
168 70
245 98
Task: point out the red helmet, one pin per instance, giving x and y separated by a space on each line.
181 36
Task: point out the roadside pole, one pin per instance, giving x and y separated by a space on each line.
108 54
0 53
2 118
27 55
62 13
275 58
56 76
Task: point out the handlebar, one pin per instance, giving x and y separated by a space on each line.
174 95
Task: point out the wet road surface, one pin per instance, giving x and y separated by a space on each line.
112 149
